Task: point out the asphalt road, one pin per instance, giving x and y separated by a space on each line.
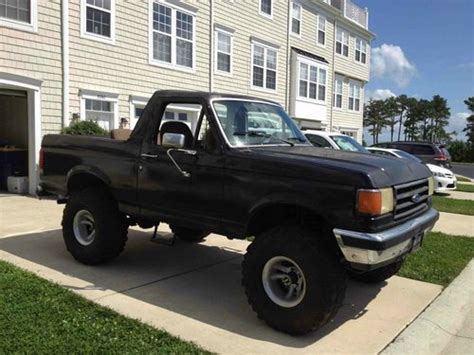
464 169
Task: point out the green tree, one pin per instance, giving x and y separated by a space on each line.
374 118
402 105
412 131
440 113
389 112
470 121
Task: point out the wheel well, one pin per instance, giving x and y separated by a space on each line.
81 181
278 214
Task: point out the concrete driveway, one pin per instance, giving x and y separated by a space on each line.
193 290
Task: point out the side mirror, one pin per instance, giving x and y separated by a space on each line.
173 140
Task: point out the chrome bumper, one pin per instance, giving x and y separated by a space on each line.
361 248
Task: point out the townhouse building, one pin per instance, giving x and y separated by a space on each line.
103 59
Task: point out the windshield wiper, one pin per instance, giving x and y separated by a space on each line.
263 135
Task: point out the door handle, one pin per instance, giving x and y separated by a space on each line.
151 156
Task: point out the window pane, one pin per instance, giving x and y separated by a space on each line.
303 88
351 103
162 47
322 76
98 22
322 93
271 79
339 47
96 105
321 37
357 56
295 26
169 115
312 90
296 11
184 53
161 18
271 59
304 71
346 51
266 6
223 62
364 58
322 23
182 116
184 25
18 10
357 104
223 42
257 76
258 56
339 101
313 74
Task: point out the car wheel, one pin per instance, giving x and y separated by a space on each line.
292 281
94 230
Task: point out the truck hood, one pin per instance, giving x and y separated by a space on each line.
337 166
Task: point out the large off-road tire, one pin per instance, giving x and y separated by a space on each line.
93 228
188 234
377 275
292 257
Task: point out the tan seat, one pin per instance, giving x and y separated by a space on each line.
120 134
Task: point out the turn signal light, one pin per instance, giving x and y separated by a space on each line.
375 202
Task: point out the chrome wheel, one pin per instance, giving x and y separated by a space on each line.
284 281
84 227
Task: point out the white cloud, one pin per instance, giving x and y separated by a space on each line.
457 123
379 94
389 62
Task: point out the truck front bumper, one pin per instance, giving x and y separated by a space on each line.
367 251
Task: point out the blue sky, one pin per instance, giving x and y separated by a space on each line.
423 48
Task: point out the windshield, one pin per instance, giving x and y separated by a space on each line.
348 143
247 123
405 155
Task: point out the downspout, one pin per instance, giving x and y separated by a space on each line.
211 46
288 64
333 77
65 60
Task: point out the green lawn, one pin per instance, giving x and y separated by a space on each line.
462 178
465 188
37 316
450 205
440 259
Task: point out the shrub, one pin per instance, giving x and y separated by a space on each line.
85 128
461 151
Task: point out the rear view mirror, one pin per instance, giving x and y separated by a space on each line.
173 140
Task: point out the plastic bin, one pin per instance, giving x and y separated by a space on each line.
17 184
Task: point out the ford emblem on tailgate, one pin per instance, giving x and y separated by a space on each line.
416 198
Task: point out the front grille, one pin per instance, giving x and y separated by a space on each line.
411 198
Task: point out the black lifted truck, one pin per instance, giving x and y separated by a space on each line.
242 168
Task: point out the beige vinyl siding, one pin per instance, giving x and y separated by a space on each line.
274 31
307 41
123 68
347 65
343 118
37 55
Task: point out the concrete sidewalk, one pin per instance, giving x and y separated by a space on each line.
193 290
458 195
455 224
446 326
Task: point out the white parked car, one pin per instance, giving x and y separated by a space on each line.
444 179
334 140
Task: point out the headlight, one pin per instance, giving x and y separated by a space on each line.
439 174
430 185
375 202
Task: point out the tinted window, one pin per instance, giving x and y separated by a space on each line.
318 141
419 149
381 152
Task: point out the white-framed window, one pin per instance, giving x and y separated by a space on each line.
265 8
19 14
98 20
342 42
264 67
296 18
354 97
137 105
101 108
172 36
321 30
337 93
360 54
223 52
312 82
